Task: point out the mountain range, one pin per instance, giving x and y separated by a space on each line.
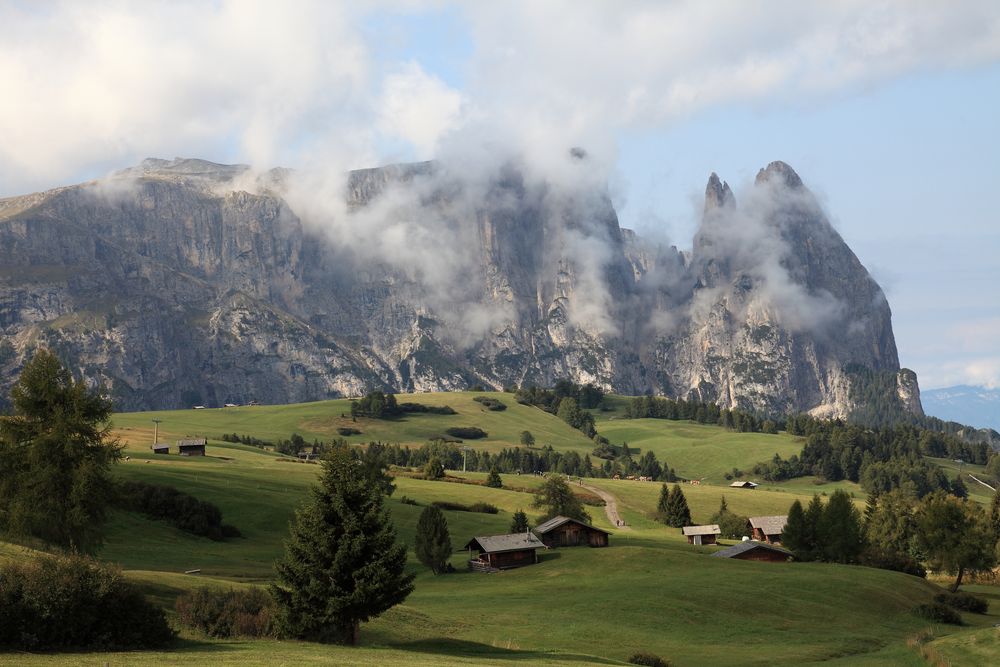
976 406
182 282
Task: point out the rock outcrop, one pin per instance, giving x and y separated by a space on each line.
182 282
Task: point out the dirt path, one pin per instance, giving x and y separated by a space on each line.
610 506
981 482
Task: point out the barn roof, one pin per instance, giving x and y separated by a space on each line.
711 529
769 525
749 545
192 442
743 484
557 521
160 445
493 544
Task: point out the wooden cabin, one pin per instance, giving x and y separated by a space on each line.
701 534
191 447
767 528
160 448
561 531
743 485
502 552
759 551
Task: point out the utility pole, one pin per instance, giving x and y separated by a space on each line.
465 453
156 430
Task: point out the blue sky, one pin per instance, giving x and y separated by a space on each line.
889 111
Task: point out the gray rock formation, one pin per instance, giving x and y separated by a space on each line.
182 282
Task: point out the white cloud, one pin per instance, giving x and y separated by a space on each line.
418 108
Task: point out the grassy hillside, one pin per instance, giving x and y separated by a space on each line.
650 591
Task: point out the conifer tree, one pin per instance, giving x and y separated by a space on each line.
493 479
342 563
663 505
56 457
519 523
810 548
794 537
682 514
433 543
958 488
840 529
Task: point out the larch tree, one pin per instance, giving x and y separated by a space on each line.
556 498
343 565
956 535
55 458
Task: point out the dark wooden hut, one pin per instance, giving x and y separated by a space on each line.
562 531
760 551
160 448
501 552
701 534
191 447
767 528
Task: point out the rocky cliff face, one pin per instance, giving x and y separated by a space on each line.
186 282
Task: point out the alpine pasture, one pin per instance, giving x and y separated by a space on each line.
648 592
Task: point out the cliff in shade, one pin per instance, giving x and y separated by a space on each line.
186 282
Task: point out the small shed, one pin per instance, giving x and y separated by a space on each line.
701 534
501 552
743 485
767 528
160 448
562 531
760 551
191 447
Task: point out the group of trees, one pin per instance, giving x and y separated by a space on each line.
672 508
880 459
383 405
568 401
651 407
897 532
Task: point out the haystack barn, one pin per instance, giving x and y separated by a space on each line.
701 534
501 552
743 485
191 447
160 448
562 531
759 551
767 528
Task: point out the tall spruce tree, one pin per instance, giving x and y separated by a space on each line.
678 513
663 505
794 536
433 543
55 458
811 549
342 563
840 529
493 479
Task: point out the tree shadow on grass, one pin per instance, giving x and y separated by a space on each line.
475 650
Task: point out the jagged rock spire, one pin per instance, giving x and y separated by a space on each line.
778 172
718 194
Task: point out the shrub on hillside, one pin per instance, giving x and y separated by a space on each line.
186 512
482 508
467 432
228 613
347 430
938 613
648 660
429 409
963 602
60 602
887 559
490 403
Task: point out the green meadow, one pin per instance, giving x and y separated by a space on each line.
648 592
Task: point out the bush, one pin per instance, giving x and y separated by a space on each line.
187 513
938 613
491 403
648 659
467 432
347 430
429 409
482 508
228 613
62 602
406 500
886 559
963 602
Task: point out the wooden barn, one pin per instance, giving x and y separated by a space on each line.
160 448
760 551
701 534
191 447
767 528
502 552
743 485
561 531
